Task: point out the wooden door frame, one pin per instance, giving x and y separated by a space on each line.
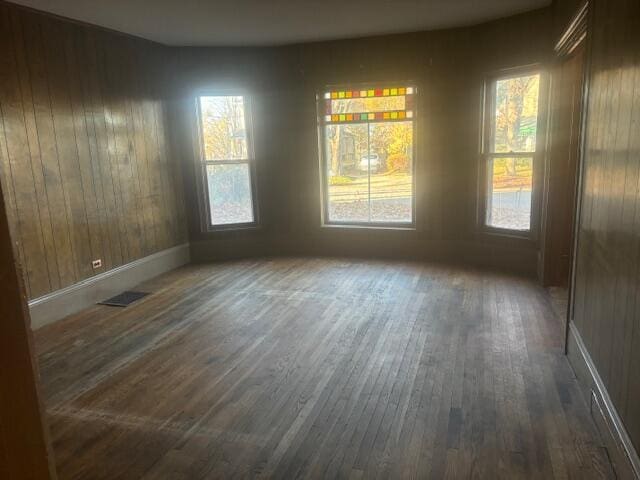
25 450
577 33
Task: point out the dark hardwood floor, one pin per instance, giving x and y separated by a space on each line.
327 368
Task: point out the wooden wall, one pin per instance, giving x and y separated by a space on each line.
85 154
449 67
607 288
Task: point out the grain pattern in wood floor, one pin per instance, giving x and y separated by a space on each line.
318 368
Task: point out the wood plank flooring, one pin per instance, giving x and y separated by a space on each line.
318 368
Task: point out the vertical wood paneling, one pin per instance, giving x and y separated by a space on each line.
83 164
140 164
119 65
104 173
65 137
87 170
106 96
53 183
167 180
153 168
35 153
83 68
113 105
9 194
20 156
606 310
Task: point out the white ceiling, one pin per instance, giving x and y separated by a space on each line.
277 22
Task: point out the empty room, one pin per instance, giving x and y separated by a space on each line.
301 239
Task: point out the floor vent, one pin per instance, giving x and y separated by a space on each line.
123 299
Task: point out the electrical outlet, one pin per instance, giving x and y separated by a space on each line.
96 263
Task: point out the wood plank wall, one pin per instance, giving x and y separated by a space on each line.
85 159
607 296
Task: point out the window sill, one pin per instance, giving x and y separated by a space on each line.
404 227
512 235
232 228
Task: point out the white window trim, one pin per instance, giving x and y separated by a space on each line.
202 163
486 154
324 187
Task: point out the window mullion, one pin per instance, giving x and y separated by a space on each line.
511 154
226 162
369 169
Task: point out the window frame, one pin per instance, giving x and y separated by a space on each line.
487 156
202 163
324 185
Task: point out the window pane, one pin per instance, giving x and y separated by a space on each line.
373 104
223 127
509 199
390 163
229 194
348 178
516 114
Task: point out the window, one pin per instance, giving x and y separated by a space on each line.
226 161
510 148
367 143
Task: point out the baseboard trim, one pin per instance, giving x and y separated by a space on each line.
366 243
66 301
625 458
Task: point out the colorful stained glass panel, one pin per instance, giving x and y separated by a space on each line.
390 103
368 104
